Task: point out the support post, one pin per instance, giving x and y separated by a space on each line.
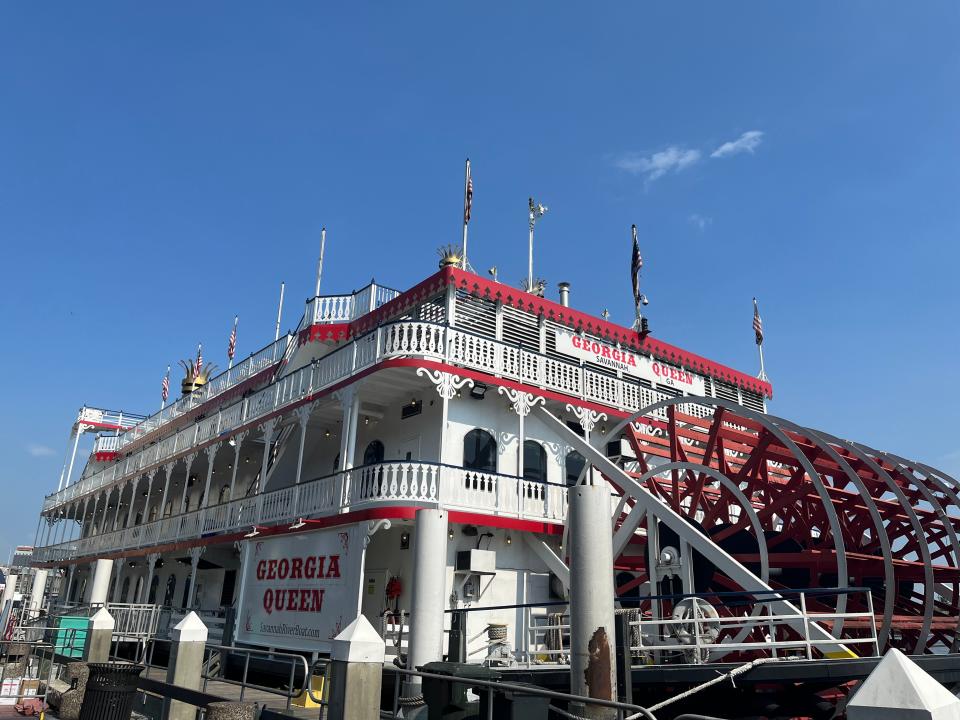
100 583
151 568
185 668
356 672
429 590
592 631
39 587
99 637
195 553
8 590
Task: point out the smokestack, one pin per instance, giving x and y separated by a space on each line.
564 294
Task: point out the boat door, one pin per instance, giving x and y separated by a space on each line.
409 450
374 596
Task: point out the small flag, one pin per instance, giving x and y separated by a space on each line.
757 323
165 387
468 198
199 366
636 263
232 345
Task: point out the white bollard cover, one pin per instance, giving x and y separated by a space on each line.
899 689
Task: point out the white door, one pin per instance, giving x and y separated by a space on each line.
374 600
409 450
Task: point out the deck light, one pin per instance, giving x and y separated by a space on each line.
509 540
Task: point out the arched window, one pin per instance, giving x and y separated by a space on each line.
534 461
171 590
124 589
153 514
336 463
374 453
223 494
480 451
186 592
573 466
154 585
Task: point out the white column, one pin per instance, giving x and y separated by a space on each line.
167 471
100 583
303 417
135 483
39 586
8 590
429 588
186 483
238 441
151 568
211 456
593 670
195 554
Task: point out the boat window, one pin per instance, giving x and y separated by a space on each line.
186 592
124 589
223 493
374 453
534 461
480 451
573 465
154 584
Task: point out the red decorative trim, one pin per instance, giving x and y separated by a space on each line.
573 319
402 512
334 332
106 455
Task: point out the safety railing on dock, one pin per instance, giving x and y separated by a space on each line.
706 627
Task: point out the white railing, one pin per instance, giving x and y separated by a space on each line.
113 418
243 370
399 339
345 308
706 634
106 443
358 488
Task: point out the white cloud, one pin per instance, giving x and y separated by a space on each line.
40 450
671 159
747 142
699 221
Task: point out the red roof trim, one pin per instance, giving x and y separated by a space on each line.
487 289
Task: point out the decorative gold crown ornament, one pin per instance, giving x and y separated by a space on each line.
450 255
194 380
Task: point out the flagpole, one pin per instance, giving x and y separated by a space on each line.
163 400
279 313
466 200
758 331
530 251
236 319
323 244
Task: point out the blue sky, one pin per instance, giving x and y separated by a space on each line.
165 166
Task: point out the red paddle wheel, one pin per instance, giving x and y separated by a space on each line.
803 509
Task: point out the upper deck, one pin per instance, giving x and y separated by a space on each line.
453 320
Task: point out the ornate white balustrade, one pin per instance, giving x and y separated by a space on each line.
383 484
346 308
398 339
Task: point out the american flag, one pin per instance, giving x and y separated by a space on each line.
636 262
468 199
199 366
232 345
757 323
165 387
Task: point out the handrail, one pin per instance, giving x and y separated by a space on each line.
395 482
401 338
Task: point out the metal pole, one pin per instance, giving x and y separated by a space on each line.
429 575
73 455
466 211
763 372
530 251
592 629
279 313
323 244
